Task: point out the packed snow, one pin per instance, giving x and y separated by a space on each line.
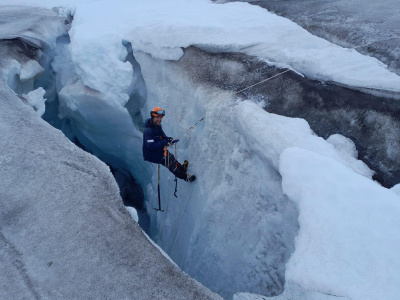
263 179
163 28
348 242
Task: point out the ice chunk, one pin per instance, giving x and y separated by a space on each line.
30 70
36 100
347 150
132 211
270 134
348 241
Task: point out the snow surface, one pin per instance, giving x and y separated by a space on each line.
371 27
162 28
239 215
348 243
396 189
37 26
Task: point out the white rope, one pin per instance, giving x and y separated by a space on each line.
223 99
262 81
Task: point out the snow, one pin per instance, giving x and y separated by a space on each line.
279 133
291 292
229 190
396 189
163 28
133 213
30 70
36 100
348 243
348 153
37 26
262 178
64 231
368 26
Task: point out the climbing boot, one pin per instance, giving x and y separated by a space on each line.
190 178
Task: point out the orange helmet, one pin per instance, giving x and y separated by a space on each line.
157 112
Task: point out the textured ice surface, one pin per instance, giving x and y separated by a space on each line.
163 28
370 121
372 27
36 100
35 25
233 228
348 242
292 292
236 189
64 232
236 216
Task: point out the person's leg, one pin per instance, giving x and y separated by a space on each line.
174 166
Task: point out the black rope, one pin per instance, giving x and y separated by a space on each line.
176 187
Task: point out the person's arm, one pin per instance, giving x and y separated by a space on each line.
154 142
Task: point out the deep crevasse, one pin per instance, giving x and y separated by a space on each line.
232 217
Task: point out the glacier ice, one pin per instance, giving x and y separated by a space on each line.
64 232
36 100
238 215
371 28
348 238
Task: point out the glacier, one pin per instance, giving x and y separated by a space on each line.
64 232
263 215
369 27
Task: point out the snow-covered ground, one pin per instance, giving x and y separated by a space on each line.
372 28
263 179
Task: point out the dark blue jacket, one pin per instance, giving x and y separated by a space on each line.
154 140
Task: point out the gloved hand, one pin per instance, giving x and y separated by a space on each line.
169 139
174 141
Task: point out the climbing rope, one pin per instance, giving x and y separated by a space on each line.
218 102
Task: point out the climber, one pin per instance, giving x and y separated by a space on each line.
155 144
